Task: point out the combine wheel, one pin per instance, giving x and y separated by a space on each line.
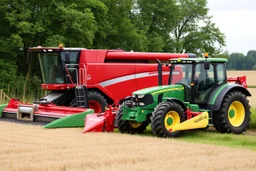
131 127
97 101
234 114
165 116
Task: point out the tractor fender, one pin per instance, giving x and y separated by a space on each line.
177 101
231 87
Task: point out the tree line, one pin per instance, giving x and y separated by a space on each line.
239 61
182 26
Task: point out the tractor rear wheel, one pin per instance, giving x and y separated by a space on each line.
97 101
131 127
233 115
165 116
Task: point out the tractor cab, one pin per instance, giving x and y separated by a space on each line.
200 77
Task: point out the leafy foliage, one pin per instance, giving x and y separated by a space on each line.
139 25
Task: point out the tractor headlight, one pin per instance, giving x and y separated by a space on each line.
142 100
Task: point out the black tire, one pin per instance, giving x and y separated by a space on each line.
158 119
222 119
151 125
97 98
126 126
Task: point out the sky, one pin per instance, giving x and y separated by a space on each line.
237 20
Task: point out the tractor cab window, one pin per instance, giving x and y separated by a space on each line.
204 81
184 78
221 73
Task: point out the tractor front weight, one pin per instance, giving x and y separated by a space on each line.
136 114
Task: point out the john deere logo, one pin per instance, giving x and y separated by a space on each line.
200 119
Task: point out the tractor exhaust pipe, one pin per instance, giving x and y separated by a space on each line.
160 70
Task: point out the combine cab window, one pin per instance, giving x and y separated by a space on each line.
73 59
51 68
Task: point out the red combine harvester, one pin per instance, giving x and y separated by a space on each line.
82 79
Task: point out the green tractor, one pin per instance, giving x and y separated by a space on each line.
201 97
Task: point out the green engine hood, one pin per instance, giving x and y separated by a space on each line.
158 89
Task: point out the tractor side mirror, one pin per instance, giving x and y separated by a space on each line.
67 57
206 65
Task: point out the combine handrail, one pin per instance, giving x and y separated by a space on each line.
81 73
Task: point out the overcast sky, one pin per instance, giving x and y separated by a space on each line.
237 20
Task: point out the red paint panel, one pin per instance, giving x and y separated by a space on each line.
122 89
99 72
143 56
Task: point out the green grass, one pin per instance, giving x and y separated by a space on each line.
253 118
210 136
251 86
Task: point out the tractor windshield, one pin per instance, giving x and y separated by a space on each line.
52 65
185 73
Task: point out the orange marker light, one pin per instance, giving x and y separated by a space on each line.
206 55
61 46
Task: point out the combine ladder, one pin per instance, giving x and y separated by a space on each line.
81 93
81 96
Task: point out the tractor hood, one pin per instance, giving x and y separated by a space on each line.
158 89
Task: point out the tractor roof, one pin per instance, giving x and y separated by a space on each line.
197 60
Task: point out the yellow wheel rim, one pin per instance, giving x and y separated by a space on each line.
171 119
135 124
236 113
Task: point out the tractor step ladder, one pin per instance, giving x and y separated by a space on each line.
81 94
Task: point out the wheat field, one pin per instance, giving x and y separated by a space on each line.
30 147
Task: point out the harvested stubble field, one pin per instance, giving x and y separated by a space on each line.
30 147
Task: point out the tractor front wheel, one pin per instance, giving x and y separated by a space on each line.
165 116
131 127
234 114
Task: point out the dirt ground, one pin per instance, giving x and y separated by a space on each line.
30 147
